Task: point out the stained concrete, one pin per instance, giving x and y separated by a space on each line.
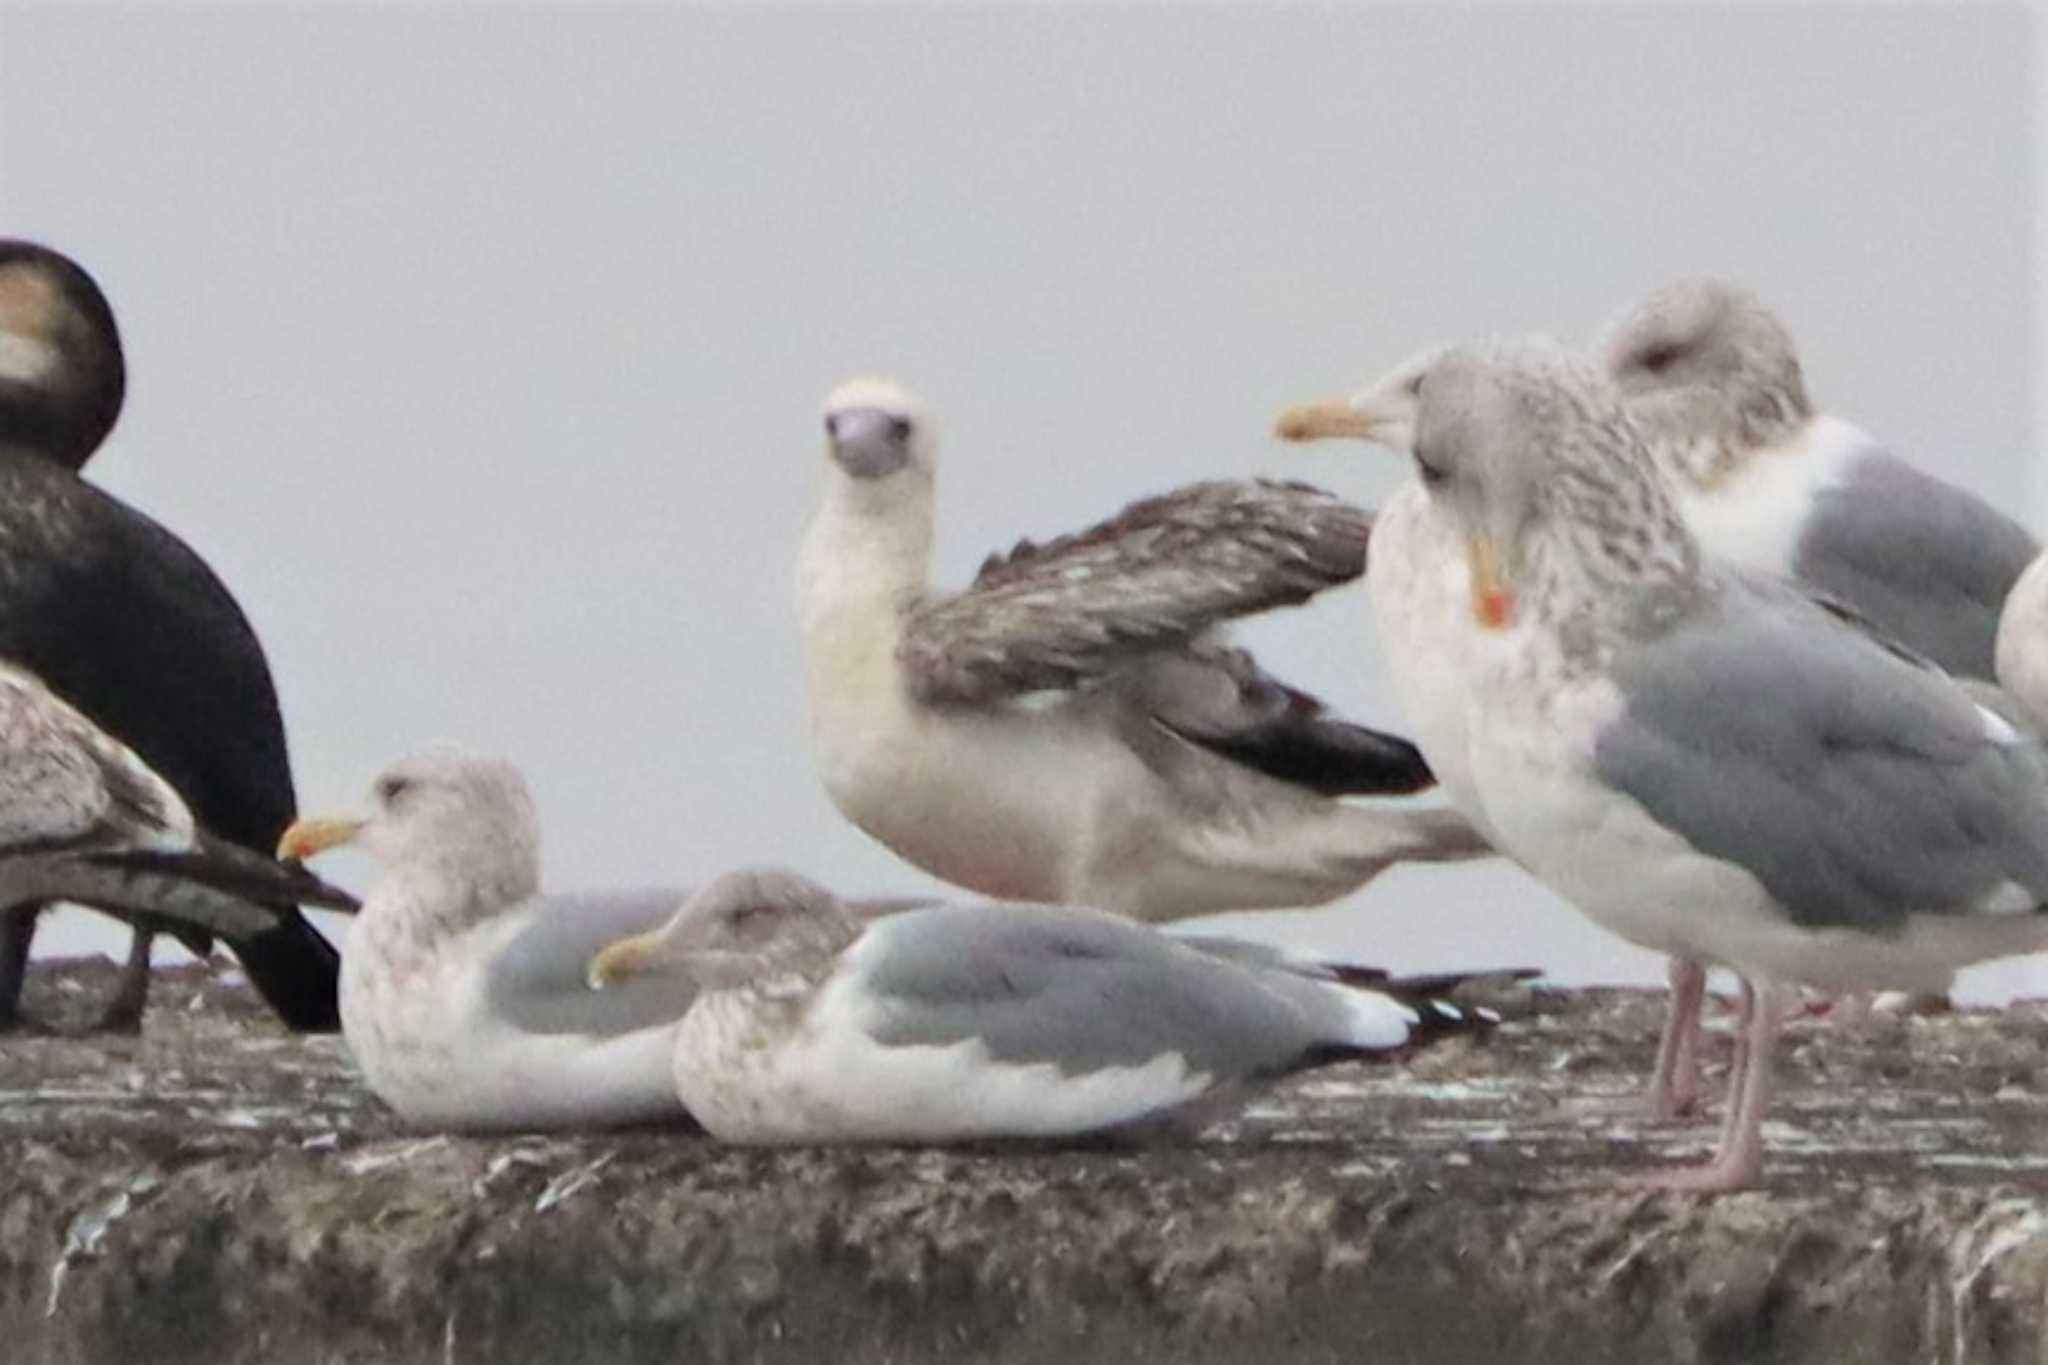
217 1191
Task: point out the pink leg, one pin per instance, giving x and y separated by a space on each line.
1739 1164
1675 1084
1675 1088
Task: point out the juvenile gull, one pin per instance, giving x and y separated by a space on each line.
83 819
1066 729
1704 759
126 623
960 1023
462 990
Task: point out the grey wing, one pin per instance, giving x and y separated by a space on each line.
1857 786
1083 991
64 783
1153 577
1927 562
536 981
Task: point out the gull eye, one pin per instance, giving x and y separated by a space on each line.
390 789
832 425
899 428
1657 359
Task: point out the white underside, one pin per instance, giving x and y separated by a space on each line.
2023 641
832 1082
1756 515
421 1031
1420 585
1601 851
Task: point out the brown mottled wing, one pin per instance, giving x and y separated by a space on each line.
66 784
1155 576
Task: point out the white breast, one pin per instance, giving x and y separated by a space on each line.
1756 515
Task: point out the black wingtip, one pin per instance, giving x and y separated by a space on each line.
1330 757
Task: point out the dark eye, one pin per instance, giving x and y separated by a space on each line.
899 428
389 789
832 425
1657 359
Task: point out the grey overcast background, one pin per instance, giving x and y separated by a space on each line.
481 350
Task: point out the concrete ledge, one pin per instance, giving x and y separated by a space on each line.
218 1192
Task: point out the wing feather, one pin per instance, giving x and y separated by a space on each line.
1155 576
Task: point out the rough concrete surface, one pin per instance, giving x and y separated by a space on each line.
217 1191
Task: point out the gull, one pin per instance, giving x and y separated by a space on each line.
1068 729
83 819
1764 479
129 625
462 994
1707 760
1419 585
976 1022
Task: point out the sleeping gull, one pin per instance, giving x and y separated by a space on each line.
126 623
964 1023
1065 730
83 819
1707 760
462 993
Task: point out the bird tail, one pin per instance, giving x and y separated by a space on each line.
1396 1016
291 965
296 970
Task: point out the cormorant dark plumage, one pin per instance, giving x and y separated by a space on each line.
124 621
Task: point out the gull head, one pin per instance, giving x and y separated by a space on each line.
1383 412
877 432
460 818
1529 451
747 928
1710 375
61 372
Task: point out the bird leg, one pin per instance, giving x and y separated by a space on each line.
1739 1163
17 932
1675 1084
131 994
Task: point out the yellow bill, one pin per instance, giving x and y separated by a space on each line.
308 837
1493 602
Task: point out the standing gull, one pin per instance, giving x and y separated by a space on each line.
1419 585
462 987
83 819
121 619
1065 730
1704 759
959 1023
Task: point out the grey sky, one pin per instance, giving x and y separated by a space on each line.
481 350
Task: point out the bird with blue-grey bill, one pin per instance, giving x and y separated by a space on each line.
127 623
1071 727
82 819
965 1023
1711 762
